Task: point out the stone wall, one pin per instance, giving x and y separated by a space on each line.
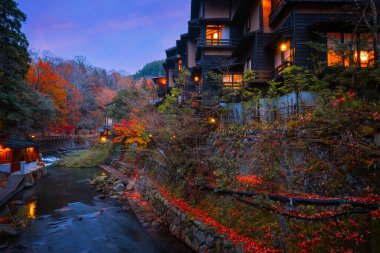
194 233
51 146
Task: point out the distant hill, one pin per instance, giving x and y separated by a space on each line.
152 69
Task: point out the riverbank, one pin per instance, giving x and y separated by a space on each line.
155 208
19 181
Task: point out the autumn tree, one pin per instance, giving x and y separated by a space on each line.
65 97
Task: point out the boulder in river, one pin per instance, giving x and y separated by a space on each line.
7 231
119 188
117 182
98 180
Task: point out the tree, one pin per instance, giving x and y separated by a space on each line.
152 69
65 97
14 62
370 17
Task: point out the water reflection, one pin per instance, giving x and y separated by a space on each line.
32 210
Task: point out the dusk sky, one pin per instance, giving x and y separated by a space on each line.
113 34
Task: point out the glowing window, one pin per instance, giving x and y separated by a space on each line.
213 34
349 53
232 81
180 65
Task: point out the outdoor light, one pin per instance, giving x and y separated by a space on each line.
103 139
364 56
283 47
216 36
212 120
33 136
196 78
151 136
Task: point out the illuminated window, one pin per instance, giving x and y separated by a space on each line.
232 81
180 65
213 34
349 55
7 156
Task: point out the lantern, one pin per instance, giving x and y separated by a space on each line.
283 47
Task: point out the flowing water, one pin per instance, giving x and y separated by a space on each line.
69 217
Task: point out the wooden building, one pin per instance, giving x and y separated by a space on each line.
18 156
231 36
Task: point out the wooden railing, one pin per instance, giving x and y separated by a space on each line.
279 70
65 137
217 43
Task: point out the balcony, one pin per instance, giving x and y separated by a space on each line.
278 6
220 43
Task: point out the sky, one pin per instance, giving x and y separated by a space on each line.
112 34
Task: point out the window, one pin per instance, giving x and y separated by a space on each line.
232 81
180 67
248 64
248 24
213 34
6 156
344 48
333 58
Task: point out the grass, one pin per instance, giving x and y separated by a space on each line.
99 154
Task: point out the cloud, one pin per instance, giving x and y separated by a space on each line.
115 34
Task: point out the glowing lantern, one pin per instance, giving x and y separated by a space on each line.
364 56
103 139
212 120
196 79
283 47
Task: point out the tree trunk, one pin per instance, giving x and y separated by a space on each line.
375 29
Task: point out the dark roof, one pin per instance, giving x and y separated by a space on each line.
20 144
105 128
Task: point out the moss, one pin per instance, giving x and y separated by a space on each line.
99 154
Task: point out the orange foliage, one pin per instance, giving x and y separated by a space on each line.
249 180
131 132
65 97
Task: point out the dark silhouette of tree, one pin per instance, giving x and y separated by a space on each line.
14 63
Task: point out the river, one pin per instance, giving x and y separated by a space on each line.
69 217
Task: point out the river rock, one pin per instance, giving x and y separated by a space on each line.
117 182
7 230
130 186
98 180
119 188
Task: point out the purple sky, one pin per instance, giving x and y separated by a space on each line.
113 34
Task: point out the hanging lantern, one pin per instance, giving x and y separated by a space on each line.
283 47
